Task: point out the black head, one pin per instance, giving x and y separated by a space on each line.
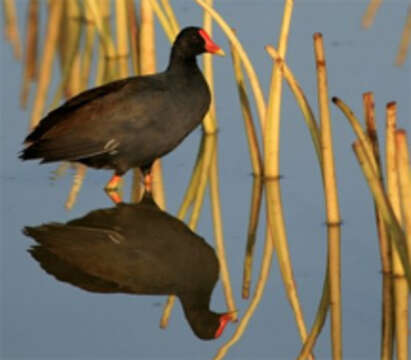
206 324
193 41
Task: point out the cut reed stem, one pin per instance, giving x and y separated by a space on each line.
30 57
255 155
256 198
400 284
122 38
49 50
331 199
385 248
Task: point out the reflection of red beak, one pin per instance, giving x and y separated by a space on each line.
210 45
224 319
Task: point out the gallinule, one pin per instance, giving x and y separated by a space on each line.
134 249
131 122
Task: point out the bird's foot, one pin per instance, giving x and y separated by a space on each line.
148 182
112 185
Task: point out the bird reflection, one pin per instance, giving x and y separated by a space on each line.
134 249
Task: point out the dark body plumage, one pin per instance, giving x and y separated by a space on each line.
135 249
131 122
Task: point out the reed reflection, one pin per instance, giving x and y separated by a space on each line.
134 249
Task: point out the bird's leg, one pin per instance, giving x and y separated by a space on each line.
114 196
113 183
148 182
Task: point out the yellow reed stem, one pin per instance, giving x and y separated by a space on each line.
71 42
165 23
405 40
97 12
134 35
301 100
87 57
210 121
209 148
61 170
370 12
30 58
255 156
158 185
256 197
50 43
404 181
400 284
137 187
321 314
122 37
218 234
147 67
255 301
359 131
77 183
248 67
147 39
380 197
331 198
385 249
272 124
171 16
278 231
11 28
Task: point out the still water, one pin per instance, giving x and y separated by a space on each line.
42 317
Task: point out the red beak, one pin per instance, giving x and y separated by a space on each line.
210 45
224 320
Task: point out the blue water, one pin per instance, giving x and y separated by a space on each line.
45 319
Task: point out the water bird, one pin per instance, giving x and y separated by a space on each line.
134 249
131 122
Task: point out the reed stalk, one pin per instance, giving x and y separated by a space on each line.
370 12
122 38
71 41
11 28
218 233
248 67
255 301
165 23
272 124
210 121
256 198
359 131
301 101
254 150
400 284
209 148
271 171
97 12
320 316
404 181
331 199
49 50
30 56
77 183
380 197
385 249
134 36
147 67
137 187
171 16
87 57
405 40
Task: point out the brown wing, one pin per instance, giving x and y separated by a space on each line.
59 114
